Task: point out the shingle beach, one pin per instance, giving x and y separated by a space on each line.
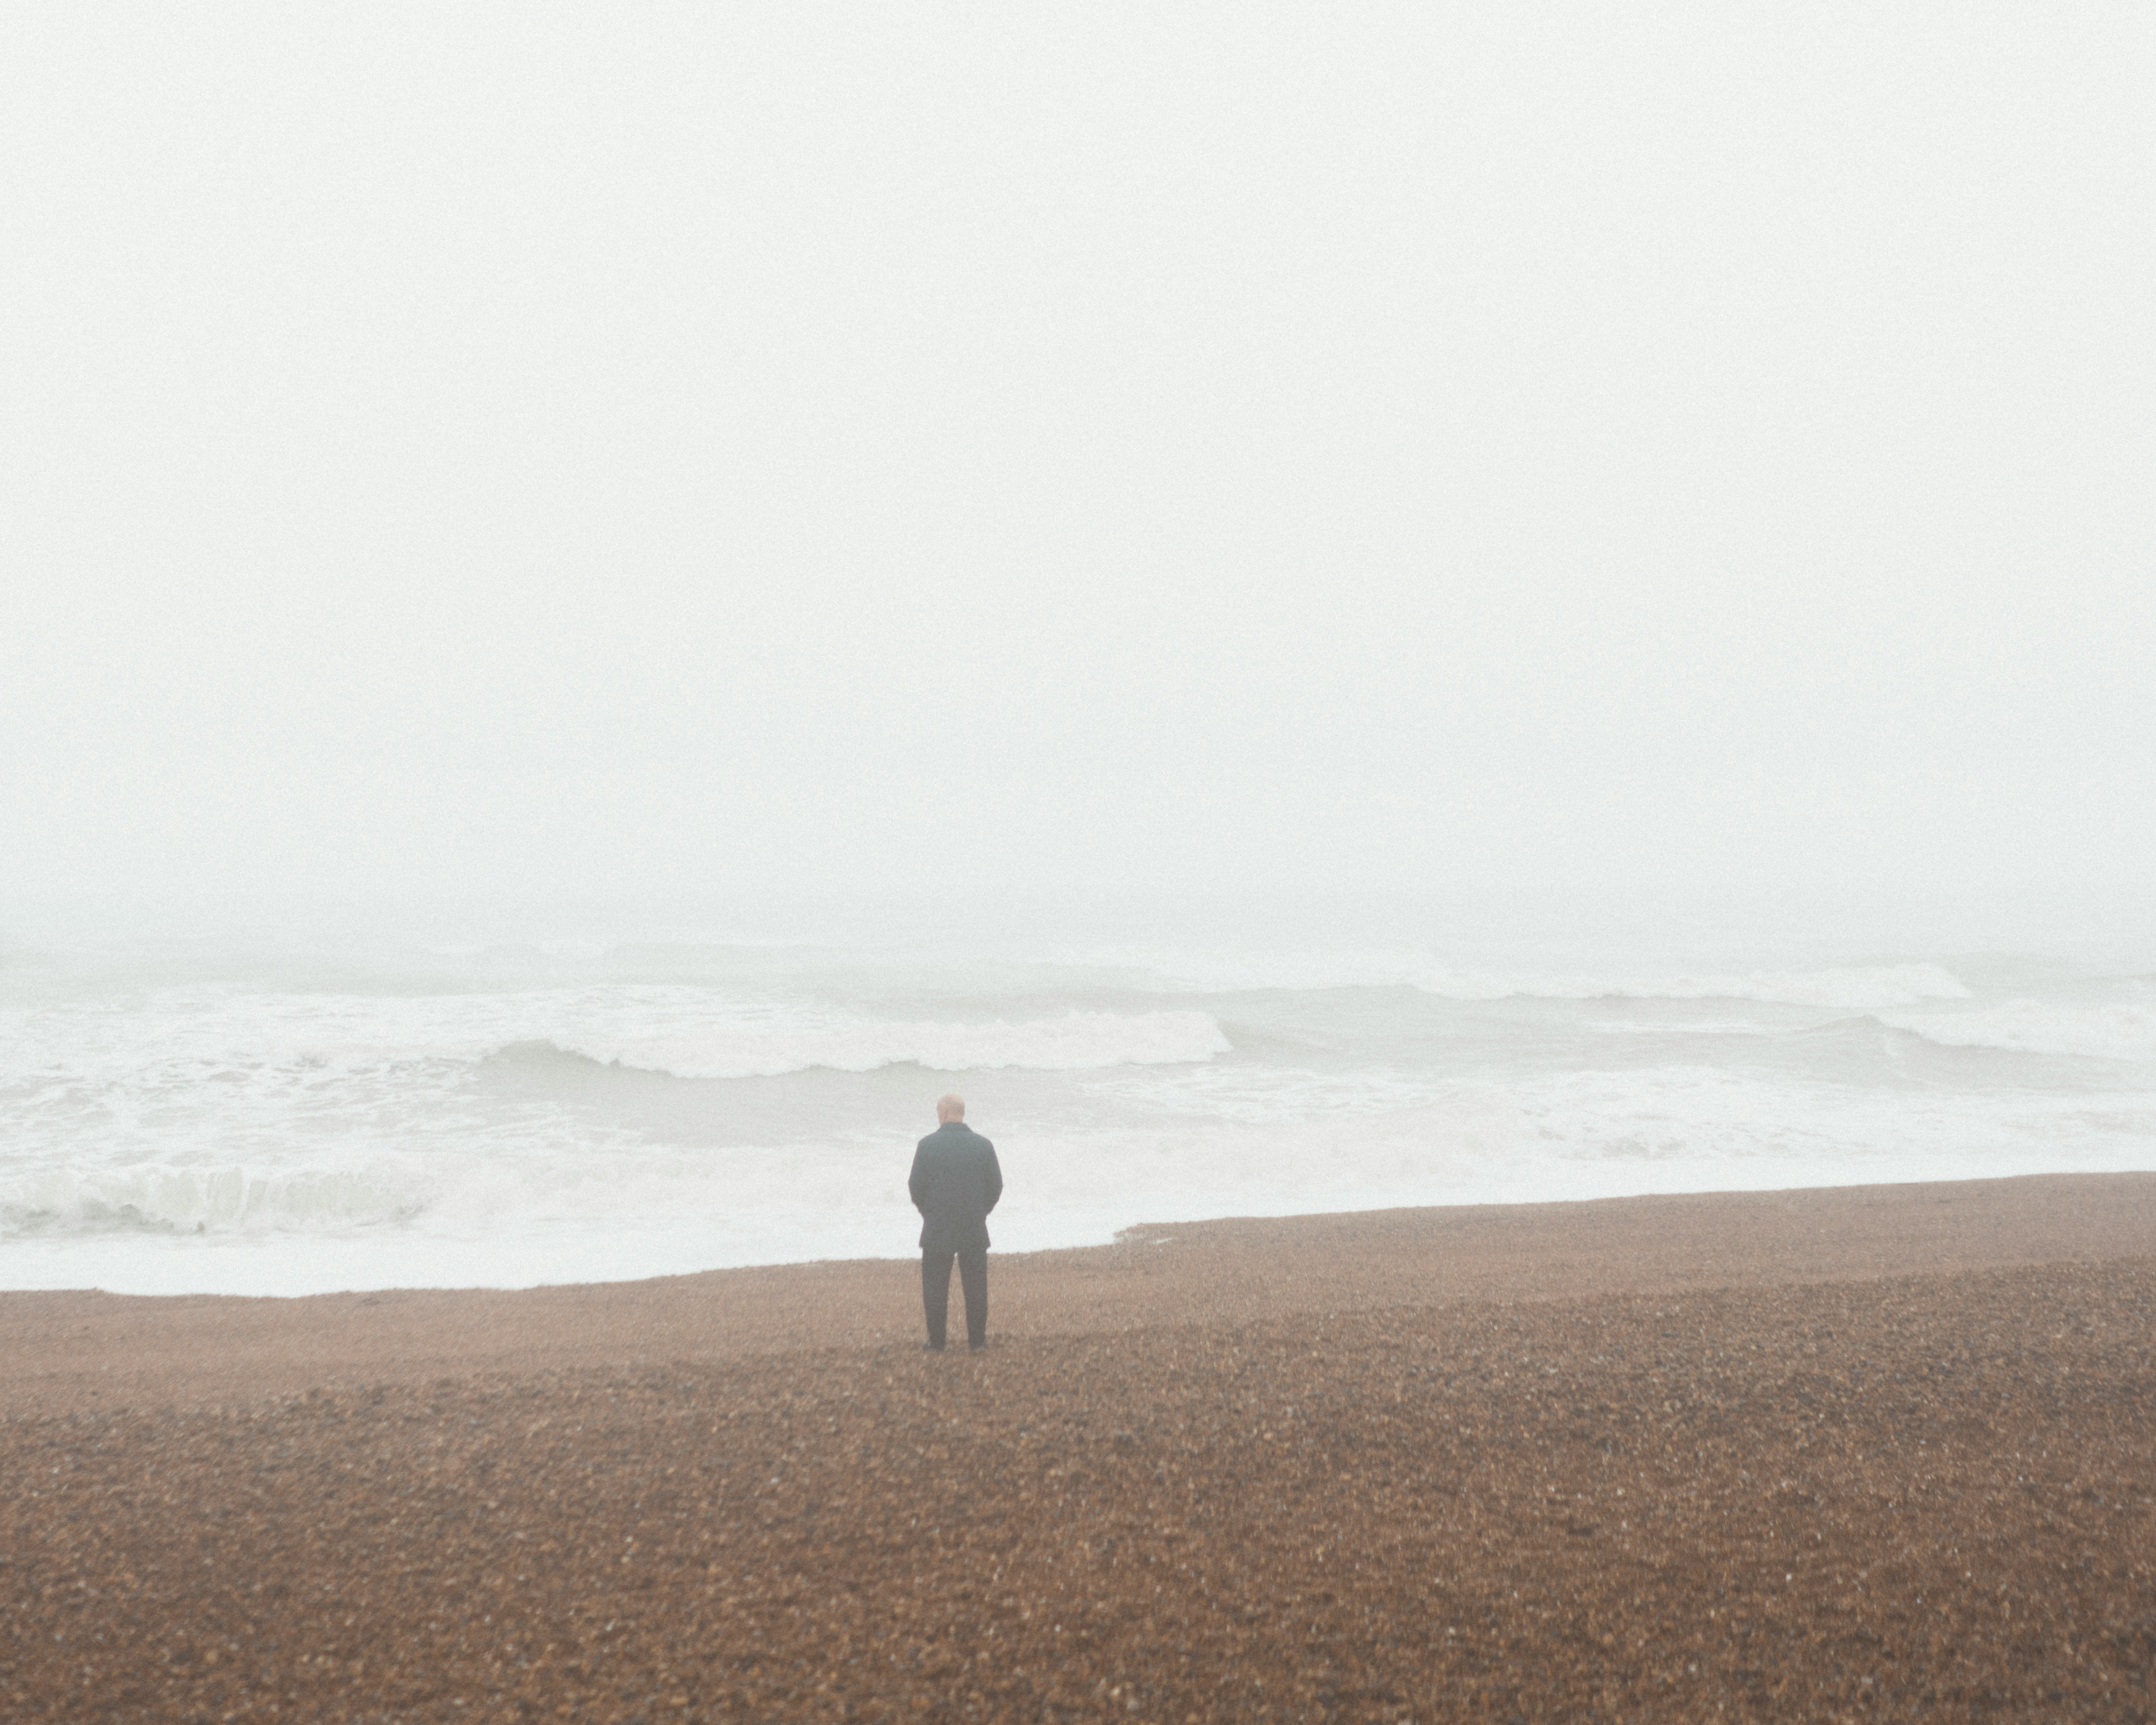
1877 1453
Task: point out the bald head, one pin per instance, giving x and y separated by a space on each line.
950 1108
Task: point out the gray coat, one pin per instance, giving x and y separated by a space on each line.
955 1182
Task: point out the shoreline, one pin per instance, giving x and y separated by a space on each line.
83 1349
131 1265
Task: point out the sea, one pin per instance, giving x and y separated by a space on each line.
214 1114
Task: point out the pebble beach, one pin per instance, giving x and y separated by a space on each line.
1882 1452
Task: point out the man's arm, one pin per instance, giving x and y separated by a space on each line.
995 1178
917 1182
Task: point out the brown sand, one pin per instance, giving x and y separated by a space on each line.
1885 1453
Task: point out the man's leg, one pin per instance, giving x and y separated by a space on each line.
936 1292
973 1277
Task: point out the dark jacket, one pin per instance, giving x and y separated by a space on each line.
955 1182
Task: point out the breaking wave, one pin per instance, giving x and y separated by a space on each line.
161 1199
1077 1042
2121 1031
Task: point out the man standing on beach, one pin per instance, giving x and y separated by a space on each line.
955 1182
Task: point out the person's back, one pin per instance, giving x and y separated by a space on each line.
955 1182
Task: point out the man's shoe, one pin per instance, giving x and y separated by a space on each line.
931 1348
977 1347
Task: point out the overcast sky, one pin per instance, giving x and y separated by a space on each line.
521 452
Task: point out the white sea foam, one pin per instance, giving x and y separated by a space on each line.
1076 1042
162 1198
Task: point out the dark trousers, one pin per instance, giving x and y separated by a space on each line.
936 1292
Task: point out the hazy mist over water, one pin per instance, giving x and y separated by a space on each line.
590 607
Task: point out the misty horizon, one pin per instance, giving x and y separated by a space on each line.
1526 472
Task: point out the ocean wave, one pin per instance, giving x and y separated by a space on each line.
462 1192
556 1209
1853 987
2118 1030
1706 1027
1848 989
850 1185
164 1200
1079 1041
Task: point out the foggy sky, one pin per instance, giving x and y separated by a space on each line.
1560 454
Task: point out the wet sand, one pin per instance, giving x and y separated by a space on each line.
1873 1453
